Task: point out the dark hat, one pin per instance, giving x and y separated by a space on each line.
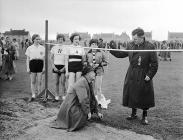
112 44
87 69
139 32
100 39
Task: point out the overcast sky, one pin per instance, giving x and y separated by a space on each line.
93 16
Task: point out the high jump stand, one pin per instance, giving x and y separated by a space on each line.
46 91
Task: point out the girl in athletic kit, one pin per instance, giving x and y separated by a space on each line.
35 64
75 58
58 60
97 59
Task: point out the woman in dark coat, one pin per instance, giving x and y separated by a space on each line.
79 104
8 56
138 91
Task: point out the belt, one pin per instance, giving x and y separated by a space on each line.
75 60
37 59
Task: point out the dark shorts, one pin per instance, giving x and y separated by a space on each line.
75 67
59 67
36 66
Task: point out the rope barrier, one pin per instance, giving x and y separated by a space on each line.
123 50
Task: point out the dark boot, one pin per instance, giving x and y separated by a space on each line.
133 116
144 120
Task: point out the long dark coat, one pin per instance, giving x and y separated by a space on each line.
137 93
73 113
7 61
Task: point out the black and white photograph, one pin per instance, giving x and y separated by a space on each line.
91 70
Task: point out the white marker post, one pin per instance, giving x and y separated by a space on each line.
46 91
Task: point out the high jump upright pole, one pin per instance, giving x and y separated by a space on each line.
46 91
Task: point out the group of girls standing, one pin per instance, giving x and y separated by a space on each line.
67 63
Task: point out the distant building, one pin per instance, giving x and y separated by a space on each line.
96 36
107 37
116 37
124 37
148 36
175 36
84 36
18 34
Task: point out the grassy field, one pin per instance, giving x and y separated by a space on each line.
166 118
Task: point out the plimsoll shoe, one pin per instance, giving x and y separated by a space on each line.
56 99
132 117
144 121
